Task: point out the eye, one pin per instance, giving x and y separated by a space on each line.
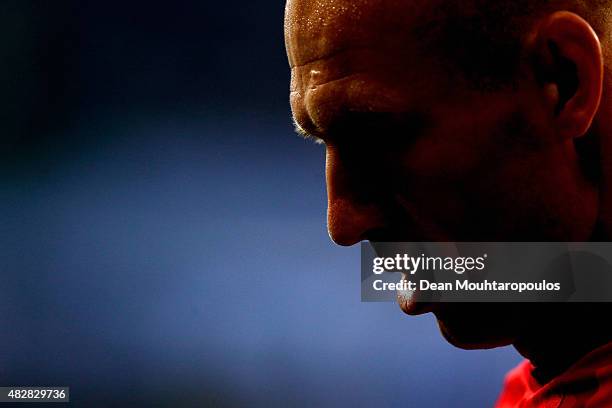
379 130
314 139
306 135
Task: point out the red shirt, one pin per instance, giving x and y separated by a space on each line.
586 384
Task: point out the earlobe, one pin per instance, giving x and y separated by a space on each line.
571 71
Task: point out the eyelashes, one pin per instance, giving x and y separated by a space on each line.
305 135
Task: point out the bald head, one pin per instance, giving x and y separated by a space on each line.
480 39
325 27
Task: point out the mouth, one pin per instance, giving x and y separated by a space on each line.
414 302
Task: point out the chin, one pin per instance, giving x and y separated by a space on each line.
473 341
478 326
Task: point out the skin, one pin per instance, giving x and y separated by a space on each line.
414 153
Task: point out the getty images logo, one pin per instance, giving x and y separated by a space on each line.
410 264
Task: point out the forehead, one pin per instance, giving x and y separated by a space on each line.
358 56
315 29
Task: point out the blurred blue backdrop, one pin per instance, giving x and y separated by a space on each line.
162 231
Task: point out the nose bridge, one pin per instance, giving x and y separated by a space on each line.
351 213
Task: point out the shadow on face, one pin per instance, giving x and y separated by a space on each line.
415 152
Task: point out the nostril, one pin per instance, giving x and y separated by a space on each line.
343 232
381 235
345 241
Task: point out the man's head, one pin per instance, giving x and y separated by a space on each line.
457 121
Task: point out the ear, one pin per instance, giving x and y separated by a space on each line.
570 71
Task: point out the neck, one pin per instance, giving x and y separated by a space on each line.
558 335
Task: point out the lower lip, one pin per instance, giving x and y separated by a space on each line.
410 303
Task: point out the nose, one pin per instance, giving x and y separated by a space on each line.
351 210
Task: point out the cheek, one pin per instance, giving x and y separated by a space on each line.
447 167
461 144
545 195
489 180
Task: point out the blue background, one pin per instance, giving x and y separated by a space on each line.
162 230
